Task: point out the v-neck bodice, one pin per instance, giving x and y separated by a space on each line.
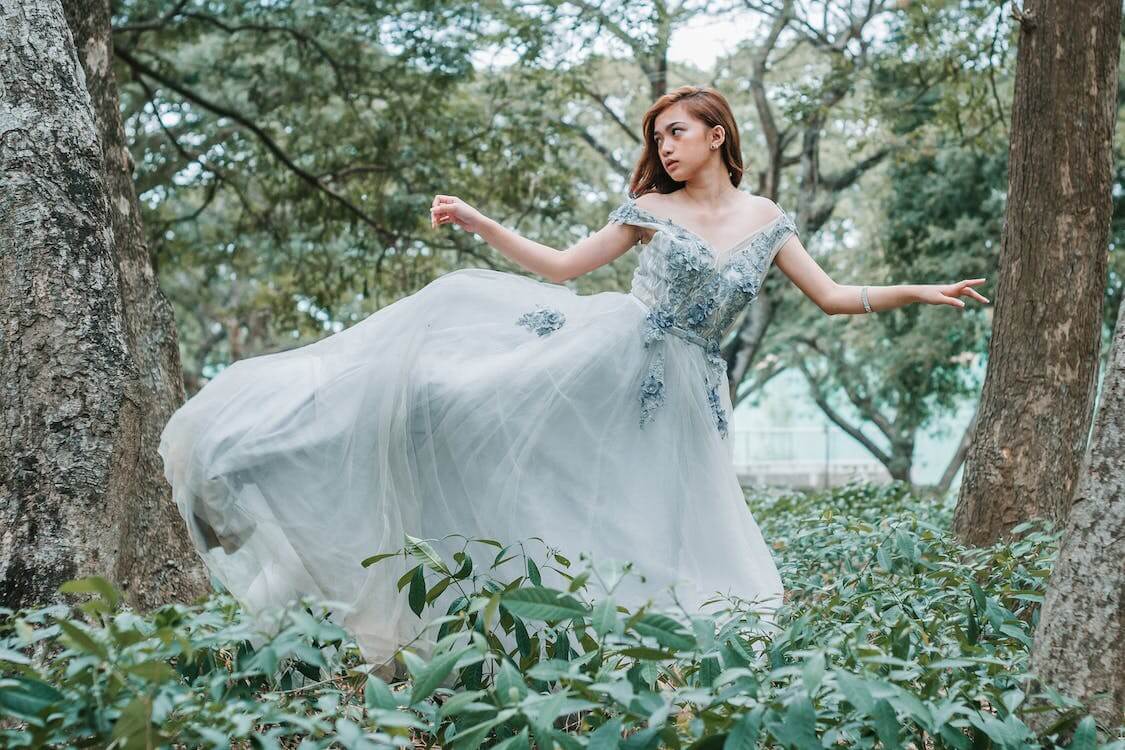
718 259
688 290
685 281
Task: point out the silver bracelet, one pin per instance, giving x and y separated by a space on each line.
863 296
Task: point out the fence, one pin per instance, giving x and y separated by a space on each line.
802 457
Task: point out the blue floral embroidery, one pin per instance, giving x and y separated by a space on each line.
543 320
652 388
699 311
717 409
656 322
691 295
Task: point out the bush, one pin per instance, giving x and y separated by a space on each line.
892 635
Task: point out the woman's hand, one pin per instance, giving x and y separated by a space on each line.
449 209
948 294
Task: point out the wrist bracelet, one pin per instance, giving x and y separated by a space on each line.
863 296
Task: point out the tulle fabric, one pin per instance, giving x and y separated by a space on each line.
440 414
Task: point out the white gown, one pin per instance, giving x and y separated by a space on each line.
487 404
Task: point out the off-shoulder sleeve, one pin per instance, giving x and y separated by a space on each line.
781 232
633 215
625 213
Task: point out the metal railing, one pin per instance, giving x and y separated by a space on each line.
802 457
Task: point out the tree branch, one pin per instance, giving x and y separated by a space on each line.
386 236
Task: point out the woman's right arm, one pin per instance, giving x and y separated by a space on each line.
602 247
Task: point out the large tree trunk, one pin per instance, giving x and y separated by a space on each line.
1079 645
1038 395
157 562
77 491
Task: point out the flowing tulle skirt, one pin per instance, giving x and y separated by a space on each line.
442 414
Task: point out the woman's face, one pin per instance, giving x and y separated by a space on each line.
683 142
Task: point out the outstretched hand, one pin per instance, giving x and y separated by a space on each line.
449 209
949 294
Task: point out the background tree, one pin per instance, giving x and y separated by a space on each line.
1038 394
157 562
288 158
77 492
1079 643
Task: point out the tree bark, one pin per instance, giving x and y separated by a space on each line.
157 563
1038 394
83 379
1079 645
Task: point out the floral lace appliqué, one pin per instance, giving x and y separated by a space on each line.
694 294
542 320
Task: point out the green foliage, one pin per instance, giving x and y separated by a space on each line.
288 152
892 635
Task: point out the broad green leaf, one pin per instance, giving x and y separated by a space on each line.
539 603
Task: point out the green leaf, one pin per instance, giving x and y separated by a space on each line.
645 653
436 590
548 708
955 737
369 561
813 672
799 726
490 610
422 550
417 594
430 678
1004 733
466 568
884 558
135 724
855 690
1085 735
454 704
153 671
79 639
539 603
517 741
886 724
603 617
471 737
264 660
93 585
607 736
905 544
26 699
667 631
510 687
978 595
377 694
743 734
533 572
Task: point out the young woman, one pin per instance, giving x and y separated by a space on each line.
494 405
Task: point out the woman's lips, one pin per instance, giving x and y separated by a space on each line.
670 164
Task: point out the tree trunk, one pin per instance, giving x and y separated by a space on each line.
77 491
157 563
1079 646
1038 394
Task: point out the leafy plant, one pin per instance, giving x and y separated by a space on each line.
891 635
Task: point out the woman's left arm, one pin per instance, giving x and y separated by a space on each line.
848 299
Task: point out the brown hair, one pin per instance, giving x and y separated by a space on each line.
702 102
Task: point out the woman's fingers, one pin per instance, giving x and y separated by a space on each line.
964 288
441 209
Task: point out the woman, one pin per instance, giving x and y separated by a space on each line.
494 405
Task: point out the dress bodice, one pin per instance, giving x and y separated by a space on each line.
695 292
680 276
